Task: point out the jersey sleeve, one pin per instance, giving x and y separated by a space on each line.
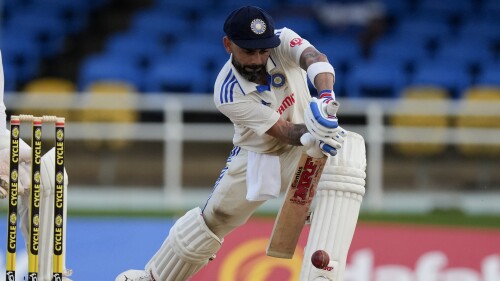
292 45
250 114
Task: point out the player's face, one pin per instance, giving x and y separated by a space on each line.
250 63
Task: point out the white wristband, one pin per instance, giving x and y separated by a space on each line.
317 68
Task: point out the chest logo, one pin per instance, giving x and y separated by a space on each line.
265 103
286 103
278 80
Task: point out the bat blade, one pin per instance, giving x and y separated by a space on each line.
295 208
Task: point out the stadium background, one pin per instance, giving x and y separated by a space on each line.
419 79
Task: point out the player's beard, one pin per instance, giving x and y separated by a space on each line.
250 72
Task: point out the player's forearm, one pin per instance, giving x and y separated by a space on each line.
294 133
322 81
287 132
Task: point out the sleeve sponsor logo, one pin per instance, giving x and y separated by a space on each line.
296 42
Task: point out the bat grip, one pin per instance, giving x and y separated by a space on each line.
332 107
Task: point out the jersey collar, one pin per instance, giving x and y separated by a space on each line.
248 86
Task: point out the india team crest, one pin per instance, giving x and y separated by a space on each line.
278 80
258 26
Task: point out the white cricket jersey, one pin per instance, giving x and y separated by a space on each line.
253 108
3 115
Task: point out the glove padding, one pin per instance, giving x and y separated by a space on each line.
4 186
316 148
24 173
321 121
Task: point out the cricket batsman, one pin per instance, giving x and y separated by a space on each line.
263 90
46 224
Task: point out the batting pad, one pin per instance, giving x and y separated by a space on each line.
189 246
338 200
46 221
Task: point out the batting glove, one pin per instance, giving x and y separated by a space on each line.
24 172
321 121
316 148
4 186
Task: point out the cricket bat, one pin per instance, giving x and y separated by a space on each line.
294 211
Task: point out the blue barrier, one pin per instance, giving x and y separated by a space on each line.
100 248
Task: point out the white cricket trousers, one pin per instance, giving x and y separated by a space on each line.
227 207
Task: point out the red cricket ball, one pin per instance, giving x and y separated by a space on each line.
320 259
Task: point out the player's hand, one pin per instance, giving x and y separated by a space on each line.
316 148
321 121
4 172
4 186
23 181
23 174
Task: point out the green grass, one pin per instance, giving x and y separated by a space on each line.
125 213
452 218
439 217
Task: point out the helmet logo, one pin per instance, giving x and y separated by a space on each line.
258 26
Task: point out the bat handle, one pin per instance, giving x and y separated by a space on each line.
332 107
